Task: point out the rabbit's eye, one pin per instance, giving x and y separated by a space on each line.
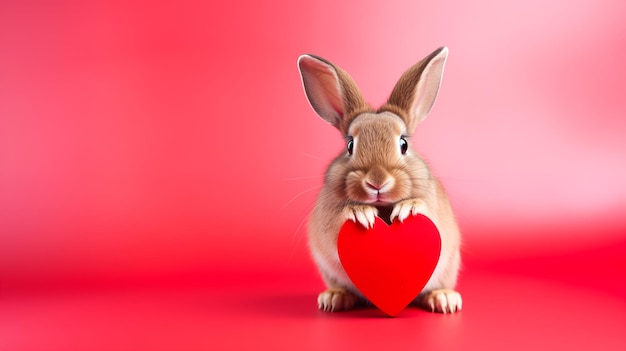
350 146
404 146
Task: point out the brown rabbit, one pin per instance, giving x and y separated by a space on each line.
378 174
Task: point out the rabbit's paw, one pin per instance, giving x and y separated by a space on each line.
333 300
442 301
363 214
404 208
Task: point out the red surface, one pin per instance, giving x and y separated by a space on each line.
158 162
390 264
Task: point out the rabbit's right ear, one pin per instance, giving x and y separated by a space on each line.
331 92
416 91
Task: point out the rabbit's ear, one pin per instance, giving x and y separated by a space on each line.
331 92
415 92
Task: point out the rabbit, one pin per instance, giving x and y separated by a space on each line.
378 174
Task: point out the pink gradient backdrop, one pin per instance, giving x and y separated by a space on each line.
137 137
153 143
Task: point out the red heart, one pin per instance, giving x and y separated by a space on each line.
390 265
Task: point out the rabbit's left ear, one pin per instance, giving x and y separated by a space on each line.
415 92
331 92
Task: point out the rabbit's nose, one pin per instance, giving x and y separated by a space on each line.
376 186
373 186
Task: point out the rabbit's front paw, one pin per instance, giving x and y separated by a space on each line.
404 208
363 214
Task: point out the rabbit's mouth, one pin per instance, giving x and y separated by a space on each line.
380 199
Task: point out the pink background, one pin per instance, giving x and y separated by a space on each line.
160 146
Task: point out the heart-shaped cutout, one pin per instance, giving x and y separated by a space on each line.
390 264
